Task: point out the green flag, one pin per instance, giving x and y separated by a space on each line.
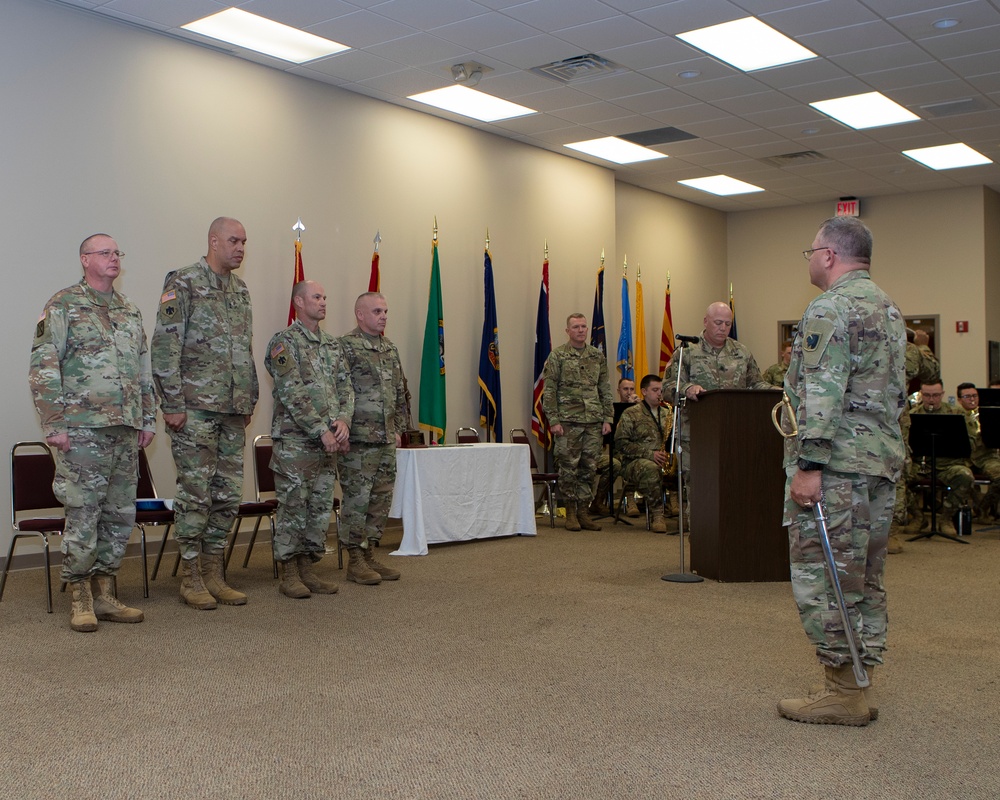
433 414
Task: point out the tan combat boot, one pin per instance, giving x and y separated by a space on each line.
386 573
632 506
659 523
584 519
358 569
291 584
572 523
193 591
215 581
674 507
869 692
110 608
839 702
83 618
312 581
895 540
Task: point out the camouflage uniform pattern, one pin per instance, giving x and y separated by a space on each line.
955 472
368 469
90 378
639 433
202 355
577 396
987 461
775 375
311 391
846 383
921 367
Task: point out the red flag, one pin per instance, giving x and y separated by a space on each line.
375 281
667 335
300 275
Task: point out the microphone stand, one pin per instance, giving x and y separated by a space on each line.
677 449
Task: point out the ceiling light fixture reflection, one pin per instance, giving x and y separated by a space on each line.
947 156
471 103
611 148
869 110
721 185
264 35
747 44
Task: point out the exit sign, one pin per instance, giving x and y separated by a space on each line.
848 207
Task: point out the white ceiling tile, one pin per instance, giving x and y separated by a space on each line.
733 86
753 103
354 65
362 29
588 114
532 52
486 30
645 55
981 40
826 15
297 13
689 15
877 59
550 15
846 40
425 14
170 15
971 15
659 100
623 84
615 32
413 51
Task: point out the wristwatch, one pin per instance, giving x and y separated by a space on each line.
810 466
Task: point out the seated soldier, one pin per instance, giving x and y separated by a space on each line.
640 443
984 459
955 472
626 394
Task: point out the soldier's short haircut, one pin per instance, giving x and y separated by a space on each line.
648 379
849 237
84 244
963 386
935 382
357 303
622 380
575 315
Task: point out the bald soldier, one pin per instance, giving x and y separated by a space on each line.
205 377
93 391
311 422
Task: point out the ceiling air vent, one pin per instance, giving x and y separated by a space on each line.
578 68
795 159
657 136
952 107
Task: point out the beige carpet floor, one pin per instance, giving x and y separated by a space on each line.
558 666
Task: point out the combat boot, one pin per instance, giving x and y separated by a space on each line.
869 692
215 581
895 540
83 618
358 569
110 608
572 523
674 508
193 591
632 506
584 520
312 581
291 584
840 701
659 522
386 573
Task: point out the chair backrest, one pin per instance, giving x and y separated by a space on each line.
146 489
520 436
467 436
31 476
263 477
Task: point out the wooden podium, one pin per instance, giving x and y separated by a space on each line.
737 487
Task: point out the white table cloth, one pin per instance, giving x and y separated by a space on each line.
462 492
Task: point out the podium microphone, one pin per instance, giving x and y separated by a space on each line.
689 339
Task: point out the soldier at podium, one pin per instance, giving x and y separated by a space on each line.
846 384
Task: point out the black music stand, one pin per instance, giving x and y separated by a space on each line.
989 429
609 440
989 398
938 436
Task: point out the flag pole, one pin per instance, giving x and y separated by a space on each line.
488 428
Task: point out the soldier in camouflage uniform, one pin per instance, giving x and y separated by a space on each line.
577 403
626 394
775 374
313 406
368 469
955 472
640 440
92 388
846 384
205 377
716 362
984 459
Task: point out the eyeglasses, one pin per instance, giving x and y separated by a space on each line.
806 254
105 253
974 396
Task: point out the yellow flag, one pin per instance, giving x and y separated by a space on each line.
641 361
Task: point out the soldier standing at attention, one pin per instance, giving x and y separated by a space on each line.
93 390
205 376
577 402
368 468
313 406
847 384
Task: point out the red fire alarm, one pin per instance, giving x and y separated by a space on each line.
961 327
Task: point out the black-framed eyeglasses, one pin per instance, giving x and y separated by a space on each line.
969 396
807 253
105 253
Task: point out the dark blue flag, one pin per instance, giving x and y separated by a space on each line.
490 412
597 323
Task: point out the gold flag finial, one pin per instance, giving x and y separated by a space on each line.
435 229
546 249
602 256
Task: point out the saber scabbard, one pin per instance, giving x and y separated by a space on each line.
819 511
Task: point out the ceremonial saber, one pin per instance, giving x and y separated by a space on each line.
859 669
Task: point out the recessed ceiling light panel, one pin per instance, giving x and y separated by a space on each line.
747 44
264 35
471 103
721 185
869 110
948 156
611 148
